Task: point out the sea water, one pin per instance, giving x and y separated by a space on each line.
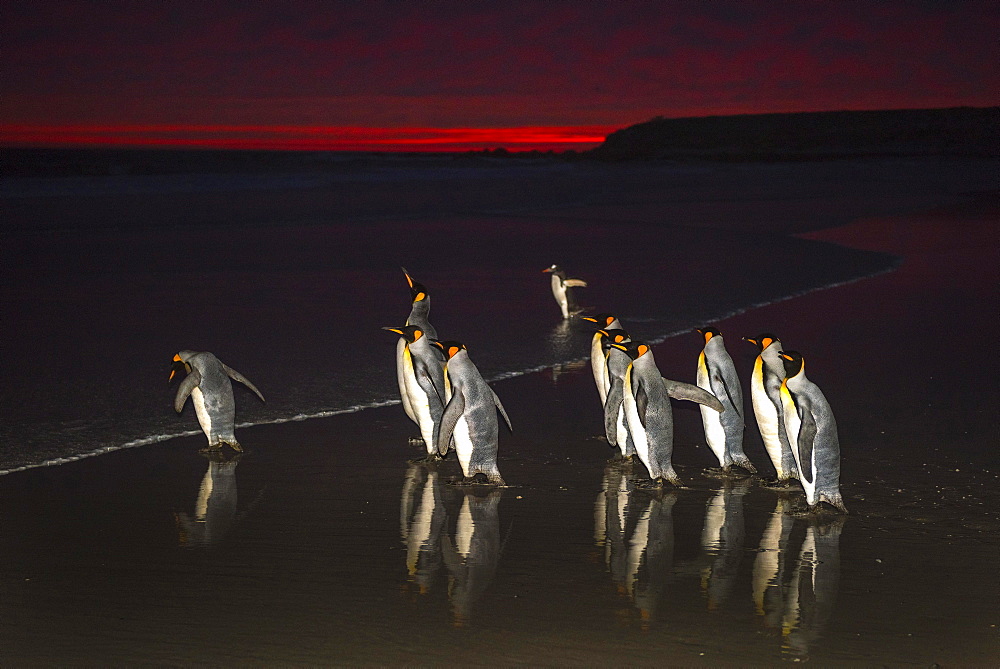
289 277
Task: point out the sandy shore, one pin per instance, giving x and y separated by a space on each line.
322 546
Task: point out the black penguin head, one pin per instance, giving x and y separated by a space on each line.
450 348
615 335
793 361
708 333
555 269
418 292
180 364
762 341
602 320
634 349
410 333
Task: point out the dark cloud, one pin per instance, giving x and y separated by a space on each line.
474 63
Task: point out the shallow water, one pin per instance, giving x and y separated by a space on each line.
102 292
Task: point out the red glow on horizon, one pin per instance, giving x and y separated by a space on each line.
305 138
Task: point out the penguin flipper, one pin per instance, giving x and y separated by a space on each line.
189 383
503 412
449 419
426 381
641 403
721 380
236 376
806 443
575 283
687 391
612 405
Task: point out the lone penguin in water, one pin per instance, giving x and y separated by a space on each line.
765 394
561 290
423 384
470 415
812 434
420 309
207 382
723 430
599 351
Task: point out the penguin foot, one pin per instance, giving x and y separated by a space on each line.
620 459
779 484
416 441
730 472
429 459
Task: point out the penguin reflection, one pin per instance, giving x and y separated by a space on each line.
722 541
651 552
472 555
814 584
423 519
215 506
611 511
769 572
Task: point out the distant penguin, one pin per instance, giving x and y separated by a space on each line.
615 422
599 351
648 413
812 434
723 430
423 383
420 309
470 415
561 290
765 393
211 392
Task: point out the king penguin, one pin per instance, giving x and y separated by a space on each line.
723 430
423 384
207 382
765 394
812 434
599 352
470 415
561 289
420 309
615 422
648 413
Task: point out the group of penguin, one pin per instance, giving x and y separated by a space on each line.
794 417
443 392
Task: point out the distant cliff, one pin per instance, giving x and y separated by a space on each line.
958 131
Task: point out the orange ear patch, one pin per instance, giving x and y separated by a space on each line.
177 358
767 341
643 350
453 351
419 297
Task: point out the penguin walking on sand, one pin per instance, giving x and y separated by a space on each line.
812 434
765 394
423 384
470 415
723 430
420 309
599 351
648 414
561 290
207 382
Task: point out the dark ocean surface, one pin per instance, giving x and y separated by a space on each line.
288 277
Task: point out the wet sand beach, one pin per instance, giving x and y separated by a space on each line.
323 545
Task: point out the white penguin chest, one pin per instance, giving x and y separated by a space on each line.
201 411
763 407
634 423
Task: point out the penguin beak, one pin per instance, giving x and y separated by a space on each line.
396 330
409 279
177 366
546 270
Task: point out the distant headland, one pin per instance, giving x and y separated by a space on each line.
957 131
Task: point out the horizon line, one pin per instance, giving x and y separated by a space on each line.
301 137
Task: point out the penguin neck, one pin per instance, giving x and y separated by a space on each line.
420 310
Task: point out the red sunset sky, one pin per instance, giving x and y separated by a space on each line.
459 75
